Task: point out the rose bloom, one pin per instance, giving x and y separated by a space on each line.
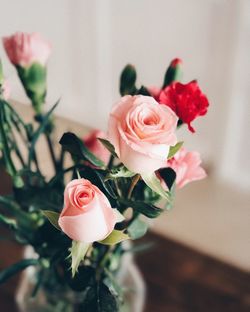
187 167
186 100
95 146
87 215
142 132
24 49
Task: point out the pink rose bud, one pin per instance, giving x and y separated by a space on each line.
24 49
187 167
95 146
87 215
142 132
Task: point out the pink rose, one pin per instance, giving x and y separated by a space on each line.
6 89
142 131
87 215
24 49
95 146
187 167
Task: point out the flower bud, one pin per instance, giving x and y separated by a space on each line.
173 72
127 80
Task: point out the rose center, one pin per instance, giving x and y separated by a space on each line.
149 121
83 196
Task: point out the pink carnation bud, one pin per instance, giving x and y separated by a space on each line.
187 167
24 49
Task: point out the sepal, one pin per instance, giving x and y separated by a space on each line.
173 72
53 217
114 238
127 81
78 251
155 184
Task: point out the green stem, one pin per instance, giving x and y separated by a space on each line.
61 159
15 268
102 263
16 148
111 160
135 179
51 150
36 161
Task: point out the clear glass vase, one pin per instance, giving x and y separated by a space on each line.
66 300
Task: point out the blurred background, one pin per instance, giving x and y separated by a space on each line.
94 39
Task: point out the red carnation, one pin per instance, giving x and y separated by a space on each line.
186 100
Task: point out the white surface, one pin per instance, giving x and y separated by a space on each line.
211 217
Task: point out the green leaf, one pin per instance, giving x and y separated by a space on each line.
71 143
150 196
111 281
53 217
98 178
99 298
155 184
8 221
14 209
108 146
114 237
143 91
146 209
9 165
17 120
120 172
127 80
137 229
78 251
174 149
84 278
15 268
41 129
168 175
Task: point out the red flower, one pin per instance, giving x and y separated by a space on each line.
186 100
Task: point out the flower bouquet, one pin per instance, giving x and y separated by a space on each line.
78 220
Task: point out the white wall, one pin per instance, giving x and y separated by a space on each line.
93 40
